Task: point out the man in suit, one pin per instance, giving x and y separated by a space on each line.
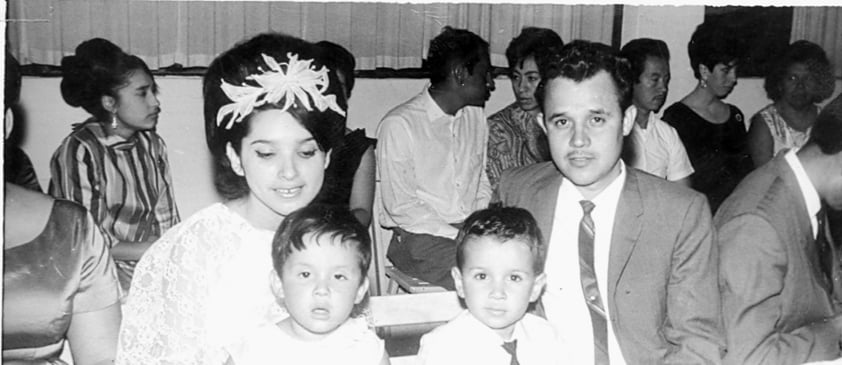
643 244
777 270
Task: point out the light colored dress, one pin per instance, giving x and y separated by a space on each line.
784 136
353 343
201 287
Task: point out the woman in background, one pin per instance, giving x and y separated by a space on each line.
349 179
515 135
800 78
271 122
713 132
114 163
59 282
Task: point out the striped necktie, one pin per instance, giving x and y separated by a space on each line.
590 287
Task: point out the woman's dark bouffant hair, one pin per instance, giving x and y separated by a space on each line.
810 54
98 68
712 44
241 61
530 41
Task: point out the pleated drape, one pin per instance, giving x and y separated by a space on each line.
192 33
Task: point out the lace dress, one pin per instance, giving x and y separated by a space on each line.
784 136
200 288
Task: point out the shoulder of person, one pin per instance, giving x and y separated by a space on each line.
654 188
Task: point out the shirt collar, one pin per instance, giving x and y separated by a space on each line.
610 194
435 112
808 191
108 138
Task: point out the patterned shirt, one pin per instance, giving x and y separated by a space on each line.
515 138
125 184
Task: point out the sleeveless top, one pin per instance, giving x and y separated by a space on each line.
784 136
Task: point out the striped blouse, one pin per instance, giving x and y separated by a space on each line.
125 184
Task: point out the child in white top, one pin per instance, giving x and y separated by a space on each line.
499 272
321 255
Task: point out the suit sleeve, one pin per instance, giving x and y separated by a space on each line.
398 183
693 306
753 267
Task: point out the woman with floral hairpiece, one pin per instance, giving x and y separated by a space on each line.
272 116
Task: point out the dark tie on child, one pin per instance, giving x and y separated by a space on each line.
511 348
589 284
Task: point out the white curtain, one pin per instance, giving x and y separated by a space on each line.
823 26
192 33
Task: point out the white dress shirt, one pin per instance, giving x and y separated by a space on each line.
659 151
466 340
564 302
808 191
431 166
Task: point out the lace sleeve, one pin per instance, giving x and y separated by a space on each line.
164 319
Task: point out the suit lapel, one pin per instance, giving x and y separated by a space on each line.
544 201
628 224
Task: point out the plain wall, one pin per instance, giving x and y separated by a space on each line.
48 118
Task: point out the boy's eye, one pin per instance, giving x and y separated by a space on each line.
480 276
340 277
304 274
515 278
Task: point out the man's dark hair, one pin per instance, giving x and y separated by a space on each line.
638 50
580 60
454 47
529 42
503 224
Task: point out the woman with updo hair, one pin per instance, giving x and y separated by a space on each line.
799 79
114 163
273 114
713 132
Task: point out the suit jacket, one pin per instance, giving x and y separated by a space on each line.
773 301
662 276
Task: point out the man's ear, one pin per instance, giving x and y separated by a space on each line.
362 291
540 119
460 74
327 158
457 281
538 287
108 103
234 160
628 119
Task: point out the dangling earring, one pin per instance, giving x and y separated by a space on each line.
114 121
704 83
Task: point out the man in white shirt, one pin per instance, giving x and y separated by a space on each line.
431 156
653 146
779 274
631 264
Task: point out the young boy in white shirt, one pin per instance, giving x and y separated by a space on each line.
499 272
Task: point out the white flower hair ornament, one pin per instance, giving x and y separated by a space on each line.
299 81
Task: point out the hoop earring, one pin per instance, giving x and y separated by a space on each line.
114 121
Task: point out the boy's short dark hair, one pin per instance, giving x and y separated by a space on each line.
580 60
319 220
454 47
504 224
